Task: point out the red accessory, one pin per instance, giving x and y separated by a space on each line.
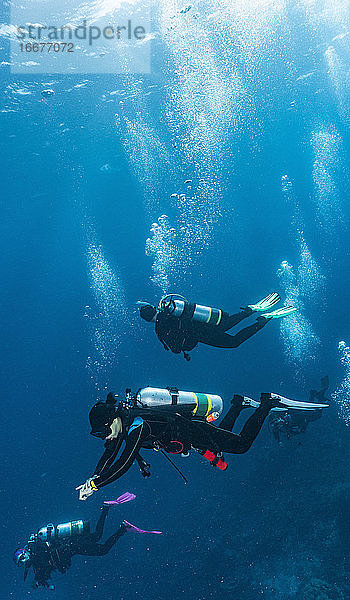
215 460
176 451
209 455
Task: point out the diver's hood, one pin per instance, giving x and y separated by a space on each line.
148 312
101 417
21 557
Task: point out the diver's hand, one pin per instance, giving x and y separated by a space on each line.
145 468
86 489
42 583
116 429
146 472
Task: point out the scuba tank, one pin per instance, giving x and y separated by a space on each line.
202 405
177 306
65 530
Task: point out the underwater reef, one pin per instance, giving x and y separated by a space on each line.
290 532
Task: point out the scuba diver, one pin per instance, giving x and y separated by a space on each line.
180 325
52 547
172 422
285 425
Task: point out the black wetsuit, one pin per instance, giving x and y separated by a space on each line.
182 334
56 555
174 432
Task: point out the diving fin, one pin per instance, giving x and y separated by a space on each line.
280 312
266 303
285 408
127 497
282 402
249 403
244 401
130 527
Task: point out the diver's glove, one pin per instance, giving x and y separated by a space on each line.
42 583
116 428
145 469
87 489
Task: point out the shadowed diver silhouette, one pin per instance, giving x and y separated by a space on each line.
52 547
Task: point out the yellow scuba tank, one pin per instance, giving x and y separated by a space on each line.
202 405
179 307
64 530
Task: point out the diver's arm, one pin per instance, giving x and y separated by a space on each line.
165 346
136 436
109 456
170 333
160 330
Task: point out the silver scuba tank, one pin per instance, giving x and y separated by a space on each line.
64 530
203 405
176 306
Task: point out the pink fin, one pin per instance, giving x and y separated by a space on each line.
132 527
127 497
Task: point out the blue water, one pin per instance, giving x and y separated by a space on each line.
250 102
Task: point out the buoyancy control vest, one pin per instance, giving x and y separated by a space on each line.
178 306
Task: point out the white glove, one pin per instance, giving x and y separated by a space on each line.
116 429
86 489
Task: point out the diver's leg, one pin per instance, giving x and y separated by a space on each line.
312 415
254 424
232 414
208 437
228 321
219 339
102 549
101 523
276 435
